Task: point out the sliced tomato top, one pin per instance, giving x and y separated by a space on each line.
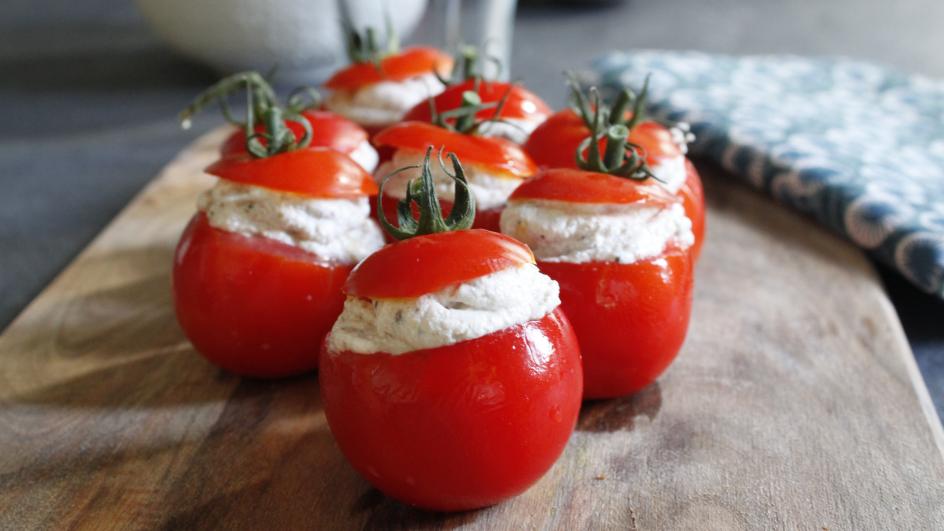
328 130
411 62
497 154
553 144
313 172
426 264
578 186
521 104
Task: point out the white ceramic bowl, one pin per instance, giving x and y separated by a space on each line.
301 37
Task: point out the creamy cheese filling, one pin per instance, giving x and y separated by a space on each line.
458 313
490 190
385 102
336 230
559 231
516 130
672 172
682 136
366 156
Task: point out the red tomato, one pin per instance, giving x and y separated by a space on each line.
411 62
630 319
554 144
484 219
461 426
252 305
312 172
521 103
328 130
496 154
429 263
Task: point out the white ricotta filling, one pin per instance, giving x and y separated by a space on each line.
385 102
559 231
516 130
672 172
490 190
336 230
682 136
366 156
458 313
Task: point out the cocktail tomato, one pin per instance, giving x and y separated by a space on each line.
251 305
630 318
256 306
461 426
554 144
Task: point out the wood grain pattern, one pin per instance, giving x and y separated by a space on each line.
794 404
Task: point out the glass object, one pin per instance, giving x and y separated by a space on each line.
487 24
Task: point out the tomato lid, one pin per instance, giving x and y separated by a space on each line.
521 103
578 186
428 263
553 144
497 154
313 172
328 130
411 62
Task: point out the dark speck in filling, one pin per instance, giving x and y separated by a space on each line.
398 316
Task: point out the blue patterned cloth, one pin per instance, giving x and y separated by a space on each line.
857 146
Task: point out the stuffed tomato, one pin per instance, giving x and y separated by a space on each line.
621 249
382 83
451 380
259 271
553 144
494 167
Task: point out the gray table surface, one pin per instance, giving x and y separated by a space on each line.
89 95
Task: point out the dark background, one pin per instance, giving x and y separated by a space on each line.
88 98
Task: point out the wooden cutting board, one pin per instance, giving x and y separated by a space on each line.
795 403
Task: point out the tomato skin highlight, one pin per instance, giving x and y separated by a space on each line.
630 319
498 155
411 62
429 263
462 426
521 104
254 306
328 130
